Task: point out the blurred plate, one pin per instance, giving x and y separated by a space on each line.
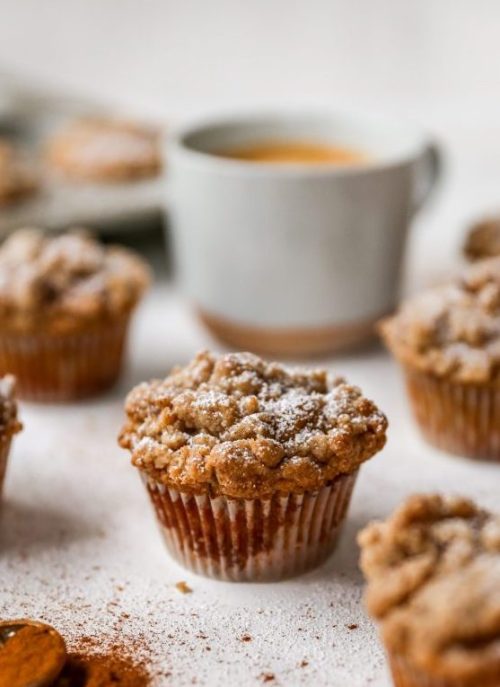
29 119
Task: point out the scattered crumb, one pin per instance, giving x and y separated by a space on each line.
246 638
304 663
267 677
183 587
353 626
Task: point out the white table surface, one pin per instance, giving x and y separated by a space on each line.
77 534
80 547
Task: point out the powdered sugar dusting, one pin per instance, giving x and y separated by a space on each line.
237 424
80 547
453 330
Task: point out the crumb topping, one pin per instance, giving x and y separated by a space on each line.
243 427
483 240
66 280
433 571
106 150
9 423
454 330
17 178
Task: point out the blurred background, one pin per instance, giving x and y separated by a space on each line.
437 63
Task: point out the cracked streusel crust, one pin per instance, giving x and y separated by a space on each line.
64 282
452 331
236 425
433 571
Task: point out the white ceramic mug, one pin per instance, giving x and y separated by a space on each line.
295 259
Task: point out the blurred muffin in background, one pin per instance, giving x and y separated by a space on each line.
9 424
250 465
447 341
483 240
65 305
18 178
433 574
106 150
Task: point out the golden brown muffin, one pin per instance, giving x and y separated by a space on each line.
106 150
433 573
256 440
448 343
18 179
65 304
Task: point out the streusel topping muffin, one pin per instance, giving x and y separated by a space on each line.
64 282
250 465
433 572
106 150
454 330
65 307
246 428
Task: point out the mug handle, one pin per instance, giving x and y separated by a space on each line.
429 168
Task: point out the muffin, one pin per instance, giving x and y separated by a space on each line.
433 572
65 305
106 150
18 180
250 465
9 424
448 343
483 240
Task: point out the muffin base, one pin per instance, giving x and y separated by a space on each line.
4 454
62 367
463 419
404 675
251 540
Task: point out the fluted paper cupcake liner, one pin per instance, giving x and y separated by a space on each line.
463 419
251 539
61 367
4 454
405 675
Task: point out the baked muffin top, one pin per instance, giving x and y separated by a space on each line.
483 240
64 282
453 330
9 423
18 179
433 571
236 425
106 150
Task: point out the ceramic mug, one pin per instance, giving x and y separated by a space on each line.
295 259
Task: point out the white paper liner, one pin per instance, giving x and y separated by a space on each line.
251 539
64 367
463 419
